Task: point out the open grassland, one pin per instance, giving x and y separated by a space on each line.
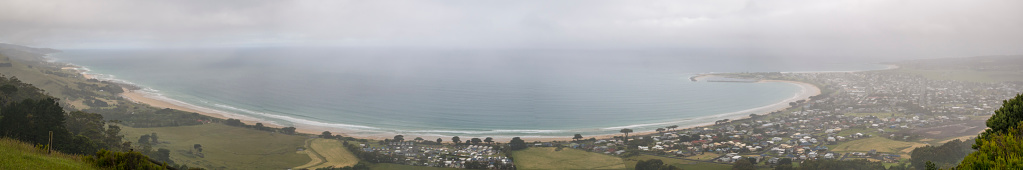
547 158
328 153
15 154
879 143
630 163
226 147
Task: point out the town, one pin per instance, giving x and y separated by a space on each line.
874 115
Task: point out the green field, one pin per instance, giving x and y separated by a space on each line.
327 153
630 163
547 158
227 147
15 154
879 143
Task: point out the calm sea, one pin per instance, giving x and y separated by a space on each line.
455 92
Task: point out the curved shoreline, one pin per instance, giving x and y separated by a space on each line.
806 90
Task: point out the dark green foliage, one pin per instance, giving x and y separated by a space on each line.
626 131
357 166
947 155
234 122
288 130
517 144
999 150
1009 116
839 164
784 164
456 140
260 126
326 135
32 121
930 166
745 164
654 164
476 141
399 138
123 160
577 137
141 115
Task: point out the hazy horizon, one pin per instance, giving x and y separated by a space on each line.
848 29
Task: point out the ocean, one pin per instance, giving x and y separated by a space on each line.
475 93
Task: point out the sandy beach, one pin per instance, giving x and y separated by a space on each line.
806 91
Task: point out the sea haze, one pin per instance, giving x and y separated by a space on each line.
454 92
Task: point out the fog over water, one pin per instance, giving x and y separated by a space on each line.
469 67
536 93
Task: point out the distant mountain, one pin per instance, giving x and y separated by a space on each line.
979 63
5 46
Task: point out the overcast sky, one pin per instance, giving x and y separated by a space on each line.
943 28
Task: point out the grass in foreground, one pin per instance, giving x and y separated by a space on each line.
16 154
547 158
226 147
327 153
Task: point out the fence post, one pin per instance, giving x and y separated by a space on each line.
50 144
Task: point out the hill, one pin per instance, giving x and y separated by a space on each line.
16 154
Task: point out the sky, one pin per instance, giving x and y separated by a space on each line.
877 28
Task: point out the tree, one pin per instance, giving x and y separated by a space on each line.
999 150
155 139
144 140
476 141
672 127
654 164
1009 116
399 138
626 131
439 140
326 135
418 139
517 144
743 165
456 140
489 140
660 130
288 130
752 115
197 147
259 126
577 137
784 164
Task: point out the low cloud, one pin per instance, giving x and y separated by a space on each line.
845 28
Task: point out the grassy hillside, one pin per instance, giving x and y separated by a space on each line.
227 147
327 153
15 154
547 158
